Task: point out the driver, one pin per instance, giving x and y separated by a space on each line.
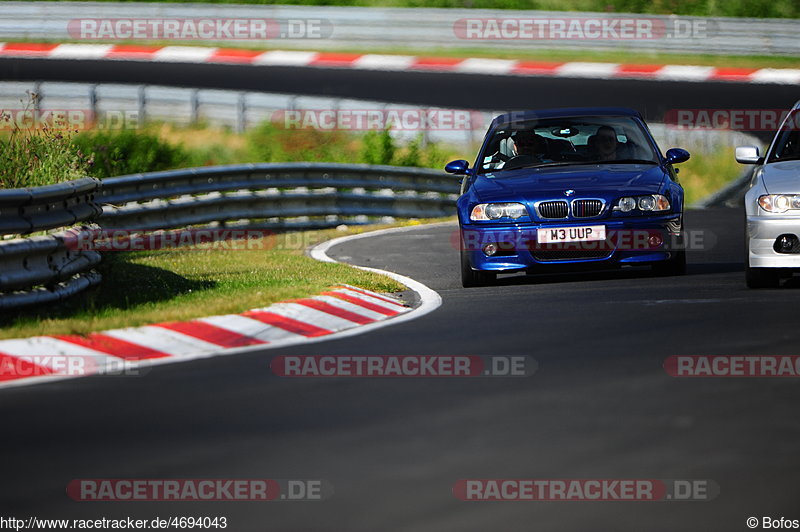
530 144
604 143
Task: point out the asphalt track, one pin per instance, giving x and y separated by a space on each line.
599 406
451 90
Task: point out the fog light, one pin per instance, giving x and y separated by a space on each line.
655 241
786 244
490 249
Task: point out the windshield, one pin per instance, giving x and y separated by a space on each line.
787 145
565 141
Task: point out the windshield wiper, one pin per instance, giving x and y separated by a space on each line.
573 163
623 161
576 163
541 165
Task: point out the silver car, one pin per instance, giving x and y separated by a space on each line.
772 205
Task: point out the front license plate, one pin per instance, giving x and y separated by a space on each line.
588 233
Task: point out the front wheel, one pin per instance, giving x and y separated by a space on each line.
471 278
761 277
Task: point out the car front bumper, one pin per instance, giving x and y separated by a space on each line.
762 232
628 243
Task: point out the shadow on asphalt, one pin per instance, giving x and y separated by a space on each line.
641 272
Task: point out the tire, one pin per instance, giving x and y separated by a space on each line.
673 266
471 278
761 277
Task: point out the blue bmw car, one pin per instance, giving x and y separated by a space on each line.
566 188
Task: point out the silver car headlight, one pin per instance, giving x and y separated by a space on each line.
494 211
779 202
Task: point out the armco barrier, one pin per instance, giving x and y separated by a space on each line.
43 269
276 196
28 210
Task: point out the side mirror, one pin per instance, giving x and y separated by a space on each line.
459 167
677 155
748 155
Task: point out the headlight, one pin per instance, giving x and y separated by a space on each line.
652 203
495 211
779 202
647 203
627 204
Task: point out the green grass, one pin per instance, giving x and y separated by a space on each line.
730 8
38 157
32 157
164 146
704 174
139 288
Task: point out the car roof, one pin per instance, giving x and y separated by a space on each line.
569 112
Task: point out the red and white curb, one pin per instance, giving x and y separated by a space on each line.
296 58
341 312
123 351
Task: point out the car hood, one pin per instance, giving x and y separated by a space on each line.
603 181
782 178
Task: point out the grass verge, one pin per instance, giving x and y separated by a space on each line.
705 174
140 288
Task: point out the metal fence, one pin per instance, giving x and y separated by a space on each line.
279 197
121 106
422 28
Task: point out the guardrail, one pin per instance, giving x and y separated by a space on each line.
412 28
43 269
27 210
280 197
276 196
